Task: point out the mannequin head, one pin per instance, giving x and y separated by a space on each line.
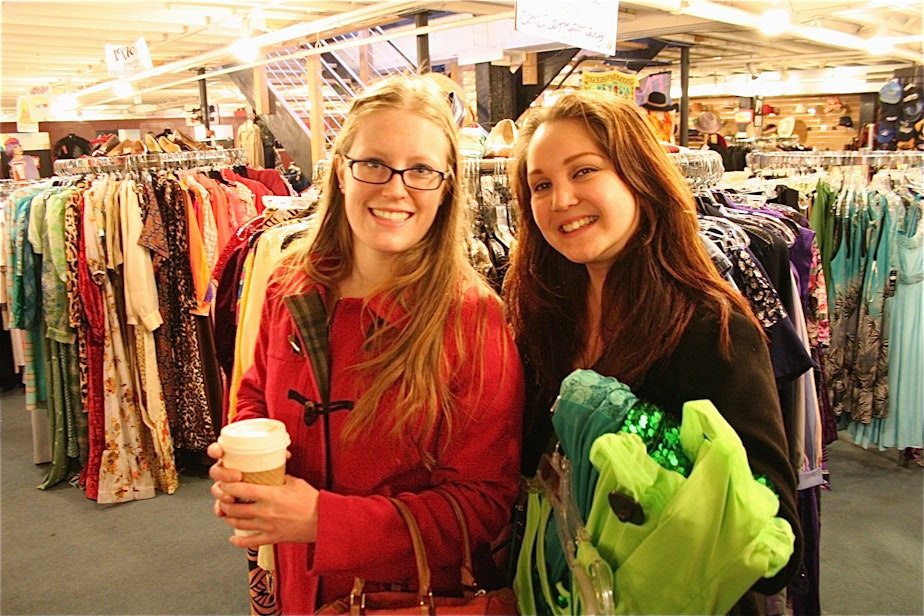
13 148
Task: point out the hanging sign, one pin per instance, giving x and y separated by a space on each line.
622 84
26 122
128 60
588 24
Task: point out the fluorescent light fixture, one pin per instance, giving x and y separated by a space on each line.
774 21
879 45
245 50
65 102
123 89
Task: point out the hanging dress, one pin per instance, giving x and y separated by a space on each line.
845 285
125 464
904 425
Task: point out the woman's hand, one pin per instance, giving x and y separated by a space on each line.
280 514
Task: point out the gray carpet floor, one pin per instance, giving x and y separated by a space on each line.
61 553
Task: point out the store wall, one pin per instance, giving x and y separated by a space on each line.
821 128
90 129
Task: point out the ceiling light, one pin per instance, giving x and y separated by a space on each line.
66 102
774 21
245 50
879 45
123 89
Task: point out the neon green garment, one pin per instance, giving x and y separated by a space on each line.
706 538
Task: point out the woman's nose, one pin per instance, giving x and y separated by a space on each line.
395 185
563 197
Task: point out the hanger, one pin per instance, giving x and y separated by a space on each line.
594 584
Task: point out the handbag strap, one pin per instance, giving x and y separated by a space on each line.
424 591
468 576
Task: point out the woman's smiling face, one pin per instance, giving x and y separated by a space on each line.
388 219
580 204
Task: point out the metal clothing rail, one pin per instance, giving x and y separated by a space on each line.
703 169
137 162
819 159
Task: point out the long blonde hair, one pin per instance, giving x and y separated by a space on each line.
406 362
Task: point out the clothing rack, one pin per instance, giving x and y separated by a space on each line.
703 169
135 162
816 159
763 141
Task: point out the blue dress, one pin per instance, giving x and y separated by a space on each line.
904 426
906 384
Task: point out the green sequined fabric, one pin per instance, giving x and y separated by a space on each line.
661 435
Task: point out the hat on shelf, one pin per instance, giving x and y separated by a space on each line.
708 122
833 104
890 112
885 132
904 136
912 105
891 92
785 127
657 101
905 131
846 121
800 131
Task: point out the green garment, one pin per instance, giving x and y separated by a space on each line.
822 219
706 538
708 535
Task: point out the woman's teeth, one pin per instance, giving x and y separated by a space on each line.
579 223
389 215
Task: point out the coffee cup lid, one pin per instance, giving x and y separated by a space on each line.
254 436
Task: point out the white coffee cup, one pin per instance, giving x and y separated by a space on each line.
256 447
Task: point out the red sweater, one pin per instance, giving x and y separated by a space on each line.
360 533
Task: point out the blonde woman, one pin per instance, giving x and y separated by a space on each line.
425 388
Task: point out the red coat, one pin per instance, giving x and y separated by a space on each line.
360 533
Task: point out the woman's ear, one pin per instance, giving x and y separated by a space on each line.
340 169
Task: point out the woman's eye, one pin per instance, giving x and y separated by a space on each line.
584 171
371 164
422 171
540 186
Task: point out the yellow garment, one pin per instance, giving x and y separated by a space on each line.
258 267
242 360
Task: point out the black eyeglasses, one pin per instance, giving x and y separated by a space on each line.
419 177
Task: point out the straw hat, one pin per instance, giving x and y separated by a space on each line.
708 122
785 127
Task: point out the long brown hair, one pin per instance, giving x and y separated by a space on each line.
406 364
661 277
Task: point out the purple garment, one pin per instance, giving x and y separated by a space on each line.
803 590
800 256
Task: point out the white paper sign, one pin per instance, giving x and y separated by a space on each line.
586 24
128 60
